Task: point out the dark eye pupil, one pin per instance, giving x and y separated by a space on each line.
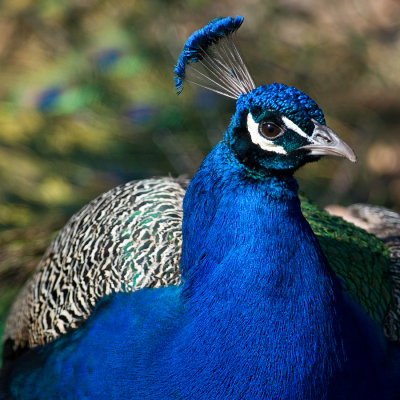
270 130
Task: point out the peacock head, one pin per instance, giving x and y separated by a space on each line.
275 127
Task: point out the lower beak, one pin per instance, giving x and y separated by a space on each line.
325 142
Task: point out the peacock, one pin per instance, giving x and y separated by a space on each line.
230 286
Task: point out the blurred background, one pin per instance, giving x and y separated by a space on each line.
87 101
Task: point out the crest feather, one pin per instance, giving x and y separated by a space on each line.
220 67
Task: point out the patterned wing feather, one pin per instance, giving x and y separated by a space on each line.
124 240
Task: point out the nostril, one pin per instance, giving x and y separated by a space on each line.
323 138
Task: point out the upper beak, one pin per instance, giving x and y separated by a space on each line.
326 142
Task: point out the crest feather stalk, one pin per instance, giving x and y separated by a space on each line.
218 64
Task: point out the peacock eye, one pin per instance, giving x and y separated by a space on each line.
270 130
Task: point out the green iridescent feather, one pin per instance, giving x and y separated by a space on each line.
359 258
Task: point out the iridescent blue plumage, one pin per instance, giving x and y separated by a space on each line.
259 312
291 102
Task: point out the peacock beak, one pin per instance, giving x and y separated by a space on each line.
325 142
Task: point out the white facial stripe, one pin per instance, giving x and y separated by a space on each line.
260 140
293 127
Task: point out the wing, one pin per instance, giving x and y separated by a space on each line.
359 258
124 240
384 224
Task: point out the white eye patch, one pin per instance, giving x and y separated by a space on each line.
293 127
269 145
261 141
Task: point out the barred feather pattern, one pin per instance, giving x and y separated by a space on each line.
126 239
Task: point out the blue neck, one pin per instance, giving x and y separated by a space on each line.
226 210
255 275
